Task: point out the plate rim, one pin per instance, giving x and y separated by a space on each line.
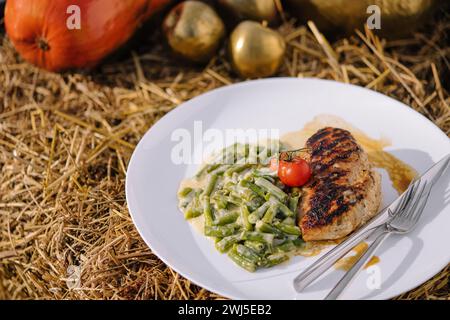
191 102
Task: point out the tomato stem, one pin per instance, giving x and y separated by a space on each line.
290 154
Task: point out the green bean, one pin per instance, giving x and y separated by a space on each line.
210 185
244 218
252 155
227 218
228 186
266 153
257 246
275 259
202 170
225 154
255 203
247 253
243 193
265 172
271 188
286 211
288 229
226 243
298 242
220 201
291 237
241 151
286 246
293 202
184 201
207 168
184 192
269 179
220 170
241 261
194 208
289 221
207 211
212 167
257 190
232 153
228 199
267 228
237 168
235 200
270 214
221 231
266 238
281 206
274 146
258 213
192 212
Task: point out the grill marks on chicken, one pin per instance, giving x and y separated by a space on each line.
344 191
329 146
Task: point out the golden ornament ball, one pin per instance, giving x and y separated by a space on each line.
194 30
397 17
258 10
255 50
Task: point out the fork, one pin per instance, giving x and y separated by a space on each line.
317 269
327 260
401 223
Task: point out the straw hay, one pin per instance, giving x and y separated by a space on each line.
65 141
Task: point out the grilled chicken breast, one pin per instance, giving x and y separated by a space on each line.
344 191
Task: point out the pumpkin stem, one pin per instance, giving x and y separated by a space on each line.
42 44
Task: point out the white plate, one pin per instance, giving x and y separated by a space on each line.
287 104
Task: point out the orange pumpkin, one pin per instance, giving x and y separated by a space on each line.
66 34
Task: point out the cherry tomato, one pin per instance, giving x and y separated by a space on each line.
294 172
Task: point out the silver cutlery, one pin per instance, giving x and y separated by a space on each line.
375 225
401 223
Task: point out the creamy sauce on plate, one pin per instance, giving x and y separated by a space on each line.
347 263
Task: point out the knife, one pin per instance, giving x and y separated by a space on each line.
331 257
